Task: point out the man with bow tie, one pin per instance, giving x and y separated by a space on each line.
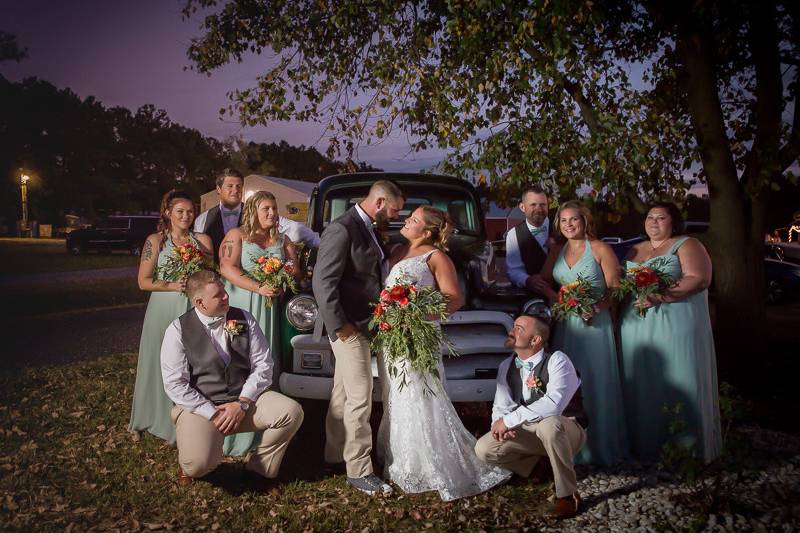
216 367
220 219
348 277
528 242
537 414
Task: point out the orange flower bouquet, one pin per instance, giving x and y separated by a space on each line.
182 262
274 273
575 298
640 282
406 335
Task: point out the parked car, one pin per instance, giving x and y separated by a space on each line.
478 330
782 278
118 232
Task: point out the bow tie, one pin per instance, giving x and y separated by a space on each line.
215 322
537 231
227 213
520 364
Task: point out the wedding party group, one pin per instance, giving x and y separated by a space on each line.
590 386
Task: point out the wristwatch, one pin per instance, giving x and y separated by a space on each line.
244 405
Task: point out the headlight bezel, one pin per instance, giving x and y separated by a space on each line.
292 310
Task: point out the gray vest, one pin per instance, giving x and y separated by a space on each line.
207 372
574 408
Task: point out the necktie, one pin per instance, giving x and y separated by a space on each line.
537 231
519 363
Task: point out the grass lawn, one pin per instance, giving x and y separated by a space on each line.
30 256
67 463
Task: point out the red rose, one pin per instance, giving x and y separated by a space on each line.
186 257
397 292
379 310
403 301
643 278
572 302
384 326
384 295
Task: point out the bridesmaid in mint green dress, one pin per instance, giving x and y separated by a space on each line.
258 236
668 355
590 346
151 407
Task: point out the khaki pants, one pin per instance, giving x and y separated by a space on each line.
348 435
556 437
200 442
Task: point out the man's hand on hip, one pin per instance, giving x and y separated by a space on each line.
228 417
346 331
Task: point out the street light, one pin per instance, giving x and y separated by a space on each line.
24 186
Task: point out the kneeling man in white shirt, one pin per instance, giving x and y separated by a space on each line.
538 413
216 367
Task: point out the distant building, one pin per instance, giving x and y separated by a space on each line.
292 195
501 219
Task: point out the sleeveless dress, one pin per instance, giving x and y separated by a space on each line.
421 440
668 358
151 405
267 320
593 351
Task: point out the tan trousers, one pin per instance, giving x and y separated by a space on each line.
200 442
348 435
556 437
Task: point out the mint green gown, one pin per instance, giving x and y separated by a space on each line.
668 358
592 349
151 406
265 317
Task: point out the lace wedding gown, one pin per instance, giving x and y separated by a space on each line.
421 440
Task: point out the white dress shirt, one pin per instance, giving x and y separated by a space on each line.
230 219
515 268
175 368
298 232
562 384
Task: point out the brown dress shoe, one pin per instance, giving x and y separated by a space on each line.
542 472
566 507
184 479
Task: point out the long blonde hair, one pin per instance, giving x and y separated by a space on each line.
438 223
250 216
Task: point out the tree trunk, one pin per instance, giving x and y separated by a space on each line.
735 217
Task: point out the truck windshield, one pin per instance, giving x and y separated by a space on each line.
458 204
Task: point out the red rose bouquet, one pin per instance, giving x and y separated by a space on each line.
405 334
575 298
274 273
640 282
182 262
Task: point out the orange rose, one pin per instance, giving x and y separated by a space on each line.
261 260
379 310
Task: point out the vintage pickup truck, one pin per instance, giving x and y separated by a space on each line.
478 330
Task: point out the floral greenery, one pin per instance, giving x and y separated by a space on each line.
405 335
640 282
575 299
182 262
274 273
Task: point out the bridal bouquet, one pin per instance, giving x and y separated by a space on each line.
182 262
406 335
575 299
273 272
640 282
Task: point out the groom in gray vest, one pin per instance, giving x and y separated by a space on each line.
348 277
537 413
217 368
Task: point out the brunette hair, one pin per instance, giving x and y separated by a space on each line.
388 189
589 229
228 172
250 215
678 225
167 201
533 189
438 223
197 281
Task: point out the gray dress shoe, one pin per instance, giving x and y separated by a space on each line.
371 485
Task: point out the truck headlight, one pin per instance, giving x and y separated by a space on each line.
302 311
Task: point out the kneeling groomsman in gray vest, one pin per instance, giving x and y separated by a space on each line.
216 367
537 416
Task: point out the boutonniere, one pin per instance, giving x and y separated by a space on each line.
535 384
233 328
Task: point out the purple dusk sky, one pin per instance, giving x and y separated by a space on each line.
132 53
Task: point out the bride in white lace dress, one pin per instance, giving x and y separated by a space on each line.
421 440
